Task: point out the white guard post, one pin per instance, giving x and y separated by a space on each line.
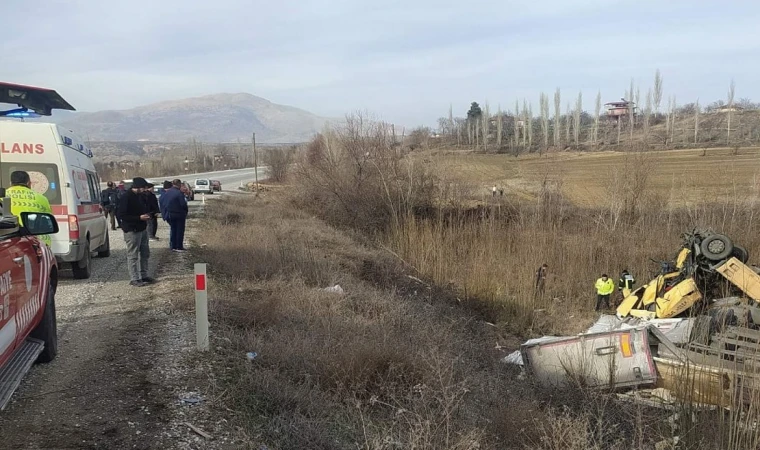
201 307
203 198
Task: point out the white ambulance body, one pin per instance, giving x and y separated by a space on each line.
61 168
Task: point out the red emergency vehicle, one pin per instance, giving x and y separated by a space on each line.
28 280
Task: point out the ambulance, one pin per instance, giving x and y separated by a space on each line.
61 168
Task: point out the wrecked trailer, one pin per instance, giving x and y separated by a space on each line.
610 354
620 358
723 374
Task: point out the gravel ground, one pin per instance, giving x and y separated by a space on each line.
125 363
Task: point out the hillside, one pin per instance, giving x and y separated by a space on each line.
211 118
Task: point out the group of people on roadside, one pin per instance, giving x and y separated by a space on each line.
604 286
136 211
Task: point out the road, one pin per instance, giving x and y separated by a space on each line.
123 361
230 179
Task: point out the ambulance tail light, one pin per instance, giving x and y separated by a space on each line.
73 228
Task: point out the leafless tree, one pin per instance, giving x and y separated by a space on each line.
577 118
673 119
544 106
647 114
731 90
527 133
516 123
557 116
668 119
499 127
528 121
451 121
696 121
657 94
597 112
631 109
485 121
568 115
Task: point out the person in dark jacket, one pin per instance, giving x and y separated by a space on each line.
109 200
152 202
173 206
134 215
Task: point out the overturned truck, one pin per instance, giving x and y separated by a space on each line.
682 288
693 332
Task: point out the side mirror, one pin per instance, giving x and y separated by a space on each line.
39 223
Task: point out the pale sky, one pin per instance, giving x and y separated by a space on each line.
403 61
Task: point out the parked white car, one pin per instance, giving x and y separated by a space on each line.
203 185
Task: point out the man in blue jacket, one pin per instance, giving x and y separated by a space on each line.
173 207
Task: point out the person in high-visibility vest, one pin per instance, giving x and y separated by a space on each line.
604 288
625 285
24 199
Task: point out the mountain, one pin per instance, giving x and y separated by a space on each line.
211 118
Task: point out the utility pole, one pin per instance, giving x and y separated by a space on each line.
256 163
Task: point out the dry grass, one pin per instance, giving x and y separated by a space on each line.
393 363
680 177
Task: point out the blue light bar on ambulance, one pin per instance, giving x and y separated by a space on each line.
19 113
68 142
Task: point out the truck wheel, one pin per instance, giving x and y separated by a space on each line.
105 250
47 329
83 269
716 247
740 253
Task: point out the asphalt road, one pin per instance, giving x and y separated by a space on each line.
230 179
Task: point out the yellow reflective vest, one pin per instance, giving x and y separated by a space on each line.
23 199
605 287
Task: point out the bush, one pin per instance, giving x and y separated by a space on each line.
279 161
356 176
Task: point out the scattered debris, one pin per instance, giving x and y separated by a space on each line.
192 399
334 289
251 355
198 431
416 279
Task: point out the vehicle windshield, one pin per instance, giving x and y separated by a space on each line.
201 182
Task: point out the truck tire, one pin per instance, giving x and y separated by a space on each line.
47 329
105 250
716 247
740 253
83 269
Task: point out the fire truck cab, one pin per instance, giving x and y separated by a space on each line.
28 281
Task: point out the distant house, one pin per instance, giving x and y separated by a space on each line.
726 108
618 110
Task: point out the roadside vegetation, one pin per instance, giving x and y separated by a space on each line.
437 288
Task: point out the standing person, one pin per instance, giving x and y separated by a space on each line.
604 287
109 200
24 199
152 202
493 191
134 214
541 279
174 211
625 285
120 193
